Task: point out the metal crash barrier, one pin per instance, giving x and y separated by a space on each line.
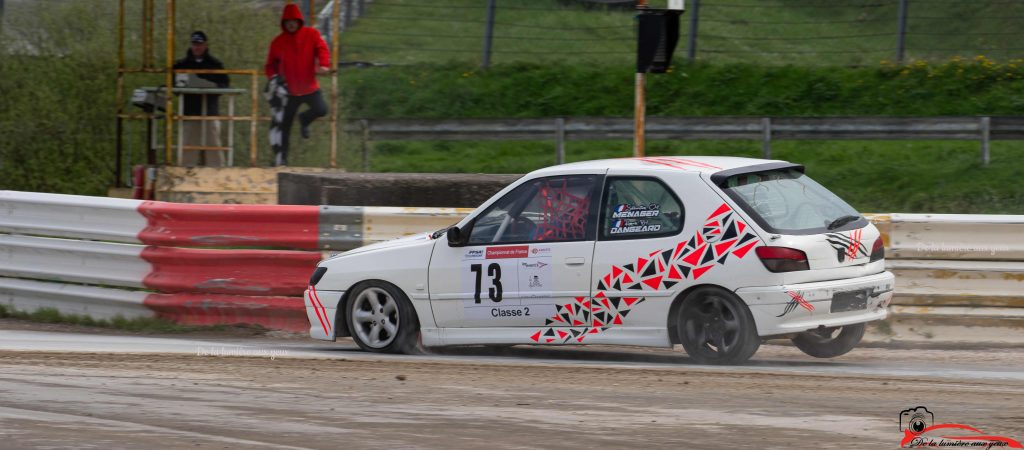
207 264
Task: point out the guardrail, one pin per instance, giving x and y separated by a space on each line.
105 257
134 258
764 129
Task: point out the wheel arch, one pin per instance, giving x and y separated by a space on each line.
341 328
677 302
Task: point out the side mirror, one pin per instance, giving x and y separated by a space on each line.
455 237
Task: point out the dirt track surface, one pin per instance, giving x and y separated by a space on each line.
106 400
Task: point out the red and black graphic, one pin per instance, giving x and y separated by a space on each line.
564 215
676 162
796 299
847 246
722 236
916 422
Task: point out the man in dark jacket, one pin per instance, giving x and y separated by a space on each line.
198 57
298 55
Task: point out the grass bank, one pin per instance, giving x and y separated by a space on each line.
874 176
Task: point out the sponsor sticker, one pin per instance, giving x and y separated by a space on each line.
512 251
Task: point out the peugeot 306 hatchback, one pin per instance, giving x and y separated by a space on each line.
714 253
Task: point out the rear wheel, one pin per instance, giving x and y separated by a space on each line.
715 327
829 342
382 318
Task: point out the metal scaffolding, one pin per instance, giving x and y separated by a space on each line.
170 118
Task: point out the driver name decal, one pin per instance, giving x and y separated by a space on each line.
626 211
633 226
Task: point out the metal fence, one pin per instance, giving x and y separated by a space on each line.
765 129
851 32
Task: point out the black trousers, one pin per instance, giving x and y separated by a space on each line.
317 108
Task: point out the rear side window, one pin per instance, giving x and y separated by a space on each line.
786 201
639 208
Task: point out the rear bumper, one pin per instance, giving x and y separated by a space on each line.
800 307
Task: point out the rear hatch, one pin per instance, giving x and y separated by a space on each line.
795 212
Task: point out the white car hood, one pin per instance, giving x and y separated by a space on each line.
399 242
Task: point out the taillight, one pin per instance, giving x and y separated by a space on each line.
878 250
782 259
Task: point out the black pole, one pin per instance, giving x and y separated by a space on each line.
118 145
308 12
348 14
488 34
901 37
691 40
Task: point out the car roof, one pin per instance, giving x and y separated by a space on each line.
688 164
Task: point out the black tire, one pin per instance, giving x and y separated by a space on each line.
371 327
829 342
716 327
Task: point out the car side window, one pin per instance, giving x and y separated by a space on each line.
639 208
554 209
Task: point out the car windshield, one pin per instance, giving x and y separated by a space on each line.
786 201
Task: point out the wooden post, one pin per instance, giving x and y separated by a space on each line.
254 98
560 140
169 89
639 107
766 137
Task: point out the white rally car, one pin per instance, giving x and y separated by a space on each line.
714 253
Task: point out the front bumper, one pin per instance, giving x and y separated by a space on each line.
800 307
321 310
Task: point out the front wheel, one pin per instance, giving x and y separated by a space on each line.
715 327
829 342
381 318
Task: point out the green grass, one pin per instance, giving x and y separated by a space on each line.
552 59
777 32
874 176
142 324
978 86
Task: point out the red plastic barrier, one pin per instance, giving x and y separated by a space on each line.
244 272
192 225
278 313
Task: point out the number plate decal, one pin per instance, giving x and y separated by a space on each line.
849 301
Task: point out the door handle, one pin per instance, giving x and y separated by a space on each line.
575 261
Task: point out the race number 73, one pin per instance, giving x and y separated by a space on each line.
493 271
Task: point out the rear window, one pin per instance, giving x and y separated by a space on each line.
785 201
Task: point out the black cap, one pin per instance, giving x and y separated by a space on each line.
198 36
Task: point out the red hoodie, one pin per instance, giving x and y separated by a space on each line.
296 55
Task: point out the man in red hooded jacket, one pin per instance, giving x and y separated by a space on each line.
298 55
